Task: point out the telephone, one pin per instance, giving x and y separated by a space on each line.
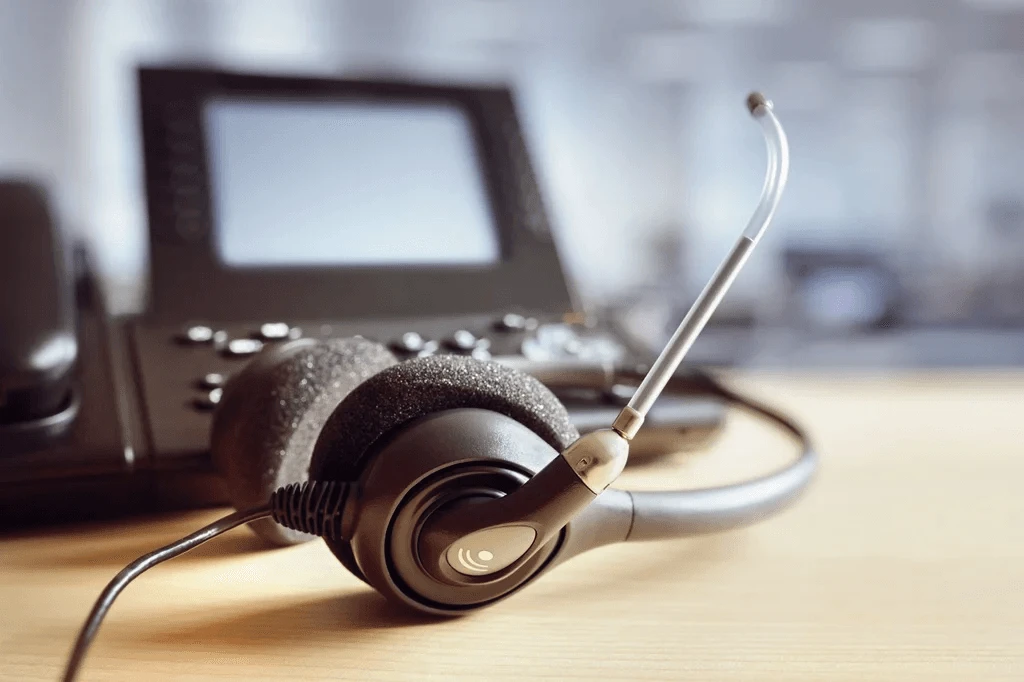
61 433
38 346
328 227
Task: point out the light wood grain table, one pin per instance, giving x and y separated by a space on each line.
905 561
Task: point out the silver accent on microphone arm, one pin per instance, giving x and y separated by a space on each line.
598 458
631 418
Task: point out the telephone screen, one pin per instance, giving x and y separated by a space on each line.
308 183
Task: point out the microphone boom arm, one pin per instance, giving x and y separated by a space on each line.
631 418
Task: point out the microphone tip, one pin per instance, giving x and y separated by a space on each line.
756 100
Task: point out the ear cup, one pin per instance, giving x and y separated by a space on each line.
271 413
421 386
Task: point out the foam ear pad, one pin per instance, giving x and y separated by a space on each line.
416 388
420 386
271 413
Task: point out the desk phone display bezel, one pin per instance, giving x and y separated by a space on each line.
188 281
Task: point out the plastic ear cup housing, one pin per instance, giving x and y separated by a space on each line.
376 411
461 456
272 412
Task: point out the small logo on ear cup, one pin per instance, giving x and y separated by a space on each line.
489 550
477 565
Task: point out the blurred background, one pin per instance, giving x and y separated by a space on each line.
900 241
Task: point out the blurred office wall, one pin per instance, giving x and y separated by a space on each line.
900 240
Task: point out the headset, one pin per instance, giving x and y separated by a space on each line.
448 483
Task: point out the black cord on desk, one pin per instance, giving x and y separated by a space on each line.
316 507
137 567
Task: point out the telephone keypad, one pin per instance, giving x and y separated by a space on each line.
218 351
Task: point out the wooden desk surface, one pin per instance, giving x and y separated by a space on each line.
905 561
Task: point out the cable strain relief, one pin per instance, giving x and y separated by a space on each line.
313 507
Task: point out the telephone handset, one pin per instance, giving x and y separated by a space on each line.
38 341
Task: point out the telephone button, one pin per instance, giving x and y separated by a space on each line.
243 347
514 322
278 331
409 342
196 334
210 400
429 348
511 322
461 341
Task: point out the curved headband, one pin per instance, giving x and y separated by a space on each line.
681 513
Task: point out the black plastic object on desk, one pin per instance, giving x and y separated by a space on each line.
38 345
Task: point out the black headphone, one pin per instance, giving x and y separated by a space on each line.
447 483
